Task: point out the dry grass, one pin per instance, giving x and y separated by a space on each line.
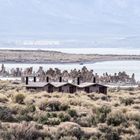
69 116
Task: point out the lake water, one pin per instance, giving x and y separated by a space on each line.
100 67
122 51
82 50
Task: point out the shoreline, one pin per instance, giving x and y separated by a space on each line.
55 57
62 63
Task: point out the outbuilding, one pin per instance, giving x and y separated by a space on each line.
64 87
38 86
92 87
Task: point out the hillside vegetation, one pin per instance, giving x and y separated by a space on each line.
40 56
28 115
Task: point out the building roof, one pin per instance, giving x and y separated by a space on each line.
36 84
59 84
87 84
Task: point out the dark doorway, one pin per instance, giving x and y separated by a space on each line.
50 88
72 89
87 89
60 89
103 90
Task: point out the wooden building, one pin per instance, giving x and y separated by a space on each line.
92 87
52 87
38 86
65 87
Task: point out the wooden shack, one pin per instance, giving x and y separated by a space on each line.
38 86
63 87
92 87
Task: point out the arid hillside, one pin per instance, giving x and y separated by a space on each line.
40 56
60 116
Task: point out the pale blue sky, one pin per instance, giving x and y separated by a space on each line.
97 20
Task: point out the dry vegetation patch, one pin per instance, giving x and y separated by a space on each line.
63 116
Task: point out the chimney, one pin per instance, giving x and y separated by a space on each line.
78 80
27 80
34 78
94 79
47 79
60 79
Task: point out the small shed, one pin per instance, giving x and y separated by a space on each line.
92 87
64 87
38 86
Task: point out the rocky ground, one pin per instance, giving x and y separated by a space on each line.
39 56
60 116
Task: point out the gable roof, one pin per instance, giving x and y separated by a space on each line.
36 84
87 84
59 84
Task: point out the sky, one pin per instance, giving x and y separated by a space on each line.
100 22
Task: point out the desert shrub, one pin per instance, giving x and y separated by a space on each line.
72 112
109 133
56 95
26 131
135 137
138 123
104 98
22 110
86 121
31 108
18 98
68 138
56 105
42 105
53 121
133 116
29 101
111 90
116 118
64 107
127 101
69 129
18 109
75 102
93 138
24 117
102 113
103 127
104 109
53 115
43 119
48 119
6 114
64 117
3 98
52 105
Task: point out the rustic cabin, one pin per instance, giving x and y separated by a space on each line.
38 86
92 87
64 87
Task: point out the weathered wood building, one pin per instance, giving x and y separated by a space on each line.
38 86
65 87
92 87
